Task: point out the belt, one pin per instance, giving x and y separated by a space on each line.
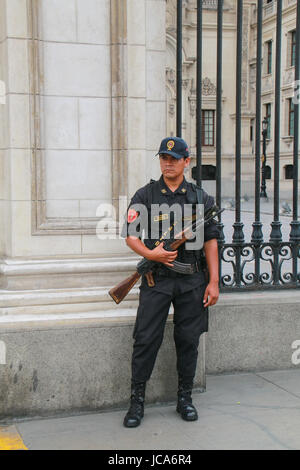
164 271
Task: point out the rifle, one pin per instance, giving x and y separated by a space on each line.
145 266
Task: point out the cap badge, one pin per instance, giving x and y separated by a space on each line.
170 144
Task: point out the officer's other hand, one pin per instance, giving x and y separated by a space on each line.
160 255
211 294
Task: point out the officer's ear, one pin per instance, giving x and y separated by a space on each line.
187 161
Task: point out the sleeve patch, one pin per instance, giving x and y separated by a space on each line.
132 216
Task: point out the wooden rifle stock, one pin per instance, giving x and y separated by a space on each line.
119 292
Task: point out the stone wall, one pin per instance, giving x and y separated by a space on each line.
84 116
83 119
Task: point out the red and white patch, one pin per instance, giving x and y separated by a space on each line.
132 216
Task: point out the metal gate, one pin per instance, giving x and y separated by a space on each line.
259 264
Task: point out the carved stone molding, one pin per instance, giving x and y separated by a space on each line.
208 88
289 77
267 84
171 77
172 109
193 105
40 223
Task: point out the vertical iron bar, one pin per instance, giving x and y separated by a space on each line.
221 238
179 70
263 192
199 96
219 105
295 224
238 235
257 234
238 110
276 235
219 118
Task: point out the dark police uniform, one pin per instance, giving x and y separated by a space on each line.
184 291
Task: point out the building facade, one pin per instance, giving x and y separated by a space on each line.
209 77
83 116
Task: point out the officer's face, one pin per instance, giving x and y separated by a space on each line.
172 167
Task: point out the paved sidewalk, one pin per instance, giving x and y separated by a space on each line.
248 217
238 411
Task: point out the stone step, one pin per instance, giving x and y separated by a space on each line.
15 318
45 301
47 273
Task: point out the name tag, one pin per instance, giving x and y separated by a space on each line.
189 217
161 217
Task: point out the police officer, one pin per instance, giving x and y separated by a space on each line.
191 294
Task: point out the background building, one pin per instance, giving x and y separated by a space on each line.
209 74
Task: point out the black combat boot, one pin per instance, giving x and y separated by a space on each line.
136 411
184 404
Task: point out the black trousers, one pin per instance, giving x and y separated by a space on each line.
190 320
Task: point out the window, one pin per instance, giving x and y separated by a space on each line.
268 172
288 172
208 172
269 57
293 48
291 117
268 116
208 128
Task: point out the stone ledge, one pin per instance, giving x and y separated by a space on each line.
269 296
61 301
47 273
97 319
252 332
54 265
58 296
81 364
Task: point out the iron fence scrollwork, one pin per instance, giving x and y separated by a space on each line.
257 264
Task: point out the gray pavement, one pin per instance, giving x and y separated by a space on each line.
248 217
239 411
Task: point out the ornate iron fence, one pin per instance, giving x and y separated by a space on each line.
258 264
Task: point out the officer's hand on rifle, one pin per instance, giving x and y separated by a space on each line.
160 255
